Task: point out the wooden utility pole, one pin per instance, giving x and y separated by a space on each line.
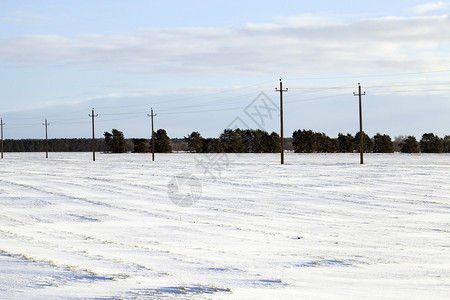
1 122
151 115
93 115
46 138
361 137
281 118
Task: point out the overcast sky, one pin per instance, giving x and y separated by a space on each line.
202 66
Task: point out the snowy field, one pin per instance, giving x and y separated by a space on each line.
319 227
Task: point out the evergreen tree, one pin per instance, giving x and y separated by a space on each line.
329 145
303 141
195 142
273 143
307 141
431 143
446 143
140 145
410 145
162 142
261 142
55 145
108 141
248 137
368 144
256 141
212 145
115 141
346 144
383 144
232 141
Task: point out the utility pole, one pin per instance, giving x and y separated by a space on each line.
281 118
93 115
46 138
1 122
153 134
361 137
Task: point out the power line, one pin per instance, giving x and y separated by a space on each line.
321 88
201 111
228 90
123 114
401 84
410 91
370 76
325 97
223 101
237 98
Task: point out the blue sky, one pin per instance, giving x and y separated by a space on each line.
199 64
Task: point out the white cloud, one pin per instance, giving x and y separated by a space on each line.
286 47
307 20
430 7
24 18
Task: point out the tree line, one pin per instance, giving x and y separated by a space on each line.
307 141
235 141
115 142
54 145
230 141
238 141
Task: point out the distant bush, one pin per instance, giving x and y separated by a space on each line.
410 145
431 143
140 145
162 142
307 141
115 141
446 144
235 141
382 144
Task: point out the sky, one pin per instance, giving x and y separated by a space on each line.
209 65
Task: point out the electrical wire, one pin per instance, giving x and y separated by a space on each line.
230 99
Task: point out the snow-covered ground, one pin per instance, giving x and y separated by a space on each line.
318 227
